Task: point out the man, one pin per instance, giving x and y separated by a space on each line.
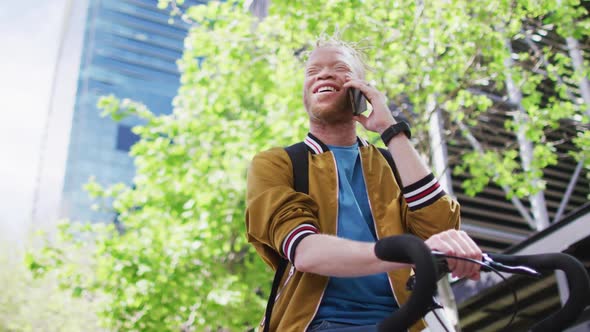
335 281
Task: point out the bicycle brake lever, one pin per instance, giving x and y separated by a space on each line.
488 265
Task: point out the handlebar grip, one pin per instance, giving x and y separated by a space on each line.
409 249
578 283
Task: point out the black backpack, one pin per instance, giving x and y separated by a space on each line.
299 160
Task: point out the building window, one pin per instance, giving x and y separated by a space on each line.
125 138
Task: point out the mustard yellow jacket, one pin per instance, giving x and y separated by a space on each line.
278 217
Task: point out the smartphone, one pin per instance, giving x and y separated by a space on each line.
357 100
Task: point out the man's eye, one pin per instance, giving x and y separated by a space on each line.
312 72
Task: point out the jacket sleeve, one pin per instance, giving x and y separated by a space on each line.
427 209
277 217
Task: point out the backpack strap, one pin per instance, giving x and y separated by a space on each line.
299 160
298 154
273 292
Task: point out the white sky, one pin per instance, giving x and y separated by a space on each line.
29 35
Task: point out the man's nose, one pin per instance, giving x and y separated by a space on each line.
325 73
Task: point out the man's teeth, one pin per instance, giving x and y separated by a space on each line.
326 89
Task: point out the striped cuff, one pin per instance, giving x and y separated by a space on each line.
423 193
293 239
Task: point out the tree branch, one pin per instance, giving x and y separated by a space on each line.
545 64
573 48
538 204
476 145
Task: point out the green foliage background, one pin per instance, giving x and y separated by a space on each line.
183 262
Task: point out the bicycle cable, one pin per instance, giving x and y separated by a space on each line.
515 305
440 321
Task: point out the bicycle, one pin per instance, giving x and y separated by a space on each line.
410 249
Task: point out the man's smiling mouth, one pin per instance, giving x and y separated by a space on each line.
325 89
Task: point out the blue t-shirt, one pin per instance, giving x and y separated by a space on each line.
361 300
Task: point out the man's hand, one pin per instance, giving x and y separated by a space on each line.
457 243
381 118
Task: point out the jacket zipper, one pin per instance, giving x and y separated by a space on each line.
291 272
375 224
337 198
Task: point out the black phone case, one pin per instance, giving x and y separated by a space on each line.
357 100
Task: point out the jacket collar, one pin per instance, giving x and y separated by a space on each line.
318 147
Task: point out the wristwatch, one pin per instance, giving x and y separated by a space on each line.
394 130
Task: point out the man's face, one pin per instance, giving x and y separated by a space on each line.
325 72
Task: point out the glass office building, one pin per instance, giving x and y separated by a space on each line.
129 49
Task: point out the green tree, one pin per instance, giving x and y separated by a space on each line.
29 303
182 262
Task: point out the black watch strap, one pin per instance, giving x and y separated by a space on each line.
394 130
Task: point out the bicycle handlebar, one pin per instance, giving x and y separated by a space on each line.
408 249
577 280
